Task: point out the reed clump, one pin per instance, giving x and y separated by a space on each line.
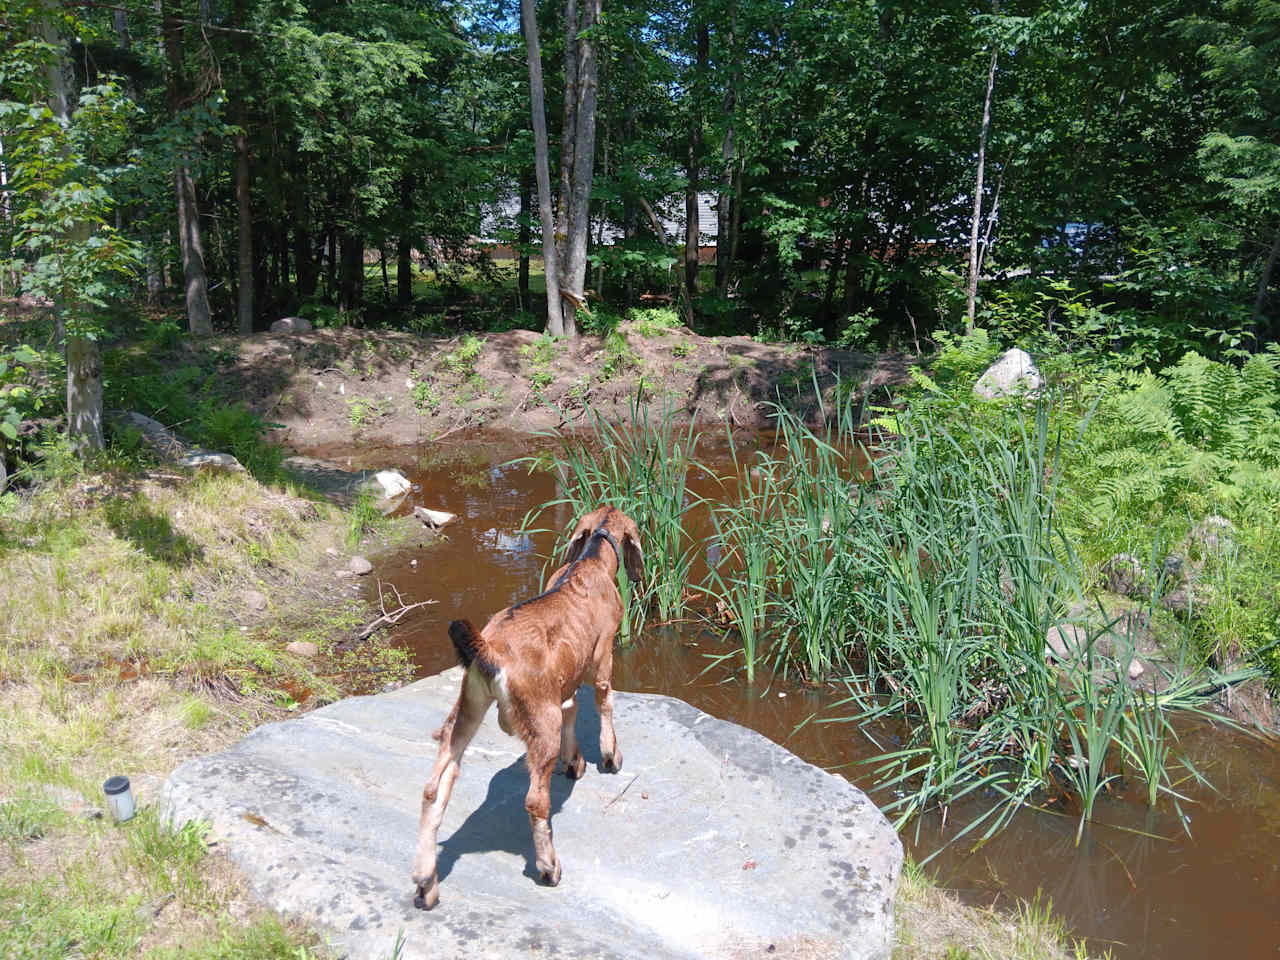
921 564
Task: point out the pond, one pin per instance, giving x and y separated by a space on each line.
1163 884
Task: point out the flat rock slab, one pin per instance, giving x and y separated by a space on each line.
711 842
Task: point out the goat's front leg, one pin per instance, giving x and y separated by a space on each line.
610 755
574 765
458 729
541 758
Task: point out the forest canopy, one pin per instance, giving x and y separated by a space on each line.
821 170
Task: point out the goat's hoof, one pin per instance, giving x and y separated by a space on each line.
427 896
550 877
612 762
575 768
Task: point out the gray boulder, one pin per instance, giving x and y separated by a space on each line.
711 842
162 441
292 325
1015 373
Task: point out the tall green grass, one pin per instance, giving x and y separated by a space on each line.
641 466
925 575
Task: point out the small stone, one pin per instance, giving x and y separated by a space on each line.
433 518
393 482
330 551
1065 641
1136 669
291 325
202 460
393 685
254 600
1125 574
1212 535
360 566
302 648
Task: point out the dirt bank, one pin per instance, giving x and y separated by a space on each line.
389 387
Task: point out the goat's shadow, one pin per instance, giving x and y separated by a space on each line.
500 822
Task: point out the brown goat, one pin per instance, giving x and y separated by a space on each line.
532 658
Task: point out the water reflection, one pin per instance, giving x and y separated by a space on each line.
1136 883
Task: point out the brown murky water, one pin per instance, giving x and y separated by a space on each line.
1137 884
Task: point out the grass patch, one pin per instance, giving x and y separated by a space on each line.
931 923
127 648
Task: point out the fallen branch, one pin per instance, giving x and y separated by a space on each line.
388 618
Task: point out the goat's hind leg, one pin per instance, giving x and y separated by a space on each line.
541 759
459 728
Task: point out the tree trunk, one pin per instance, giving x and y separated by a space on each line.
302 257
724 198
351 279
977 192
569 129
244 207
404 244
526 205
199 320
693 151
1260 301
584 151
84 393
529 22
244 295
84 363
6 215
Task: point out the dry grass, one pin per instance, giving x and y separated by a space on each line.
127 646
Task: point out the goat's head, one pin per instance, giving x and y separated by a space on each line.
624 532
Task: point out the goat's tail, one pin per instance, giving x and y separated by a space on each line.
466 640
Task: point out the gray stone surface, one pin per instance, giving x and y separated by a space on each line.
711 842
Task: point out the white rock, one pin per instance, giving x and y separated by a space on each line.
1014 373
360 566
302 648
393 483
433 518
1066 640
218 462
292 325
1136 669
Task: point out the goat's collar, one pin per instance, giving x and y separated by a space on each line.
600 531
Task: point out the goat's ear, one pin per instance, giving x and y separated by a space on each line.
576 546
632 558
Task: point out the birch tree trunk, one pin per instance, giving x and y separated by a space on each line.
977 192
199 320
537 106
